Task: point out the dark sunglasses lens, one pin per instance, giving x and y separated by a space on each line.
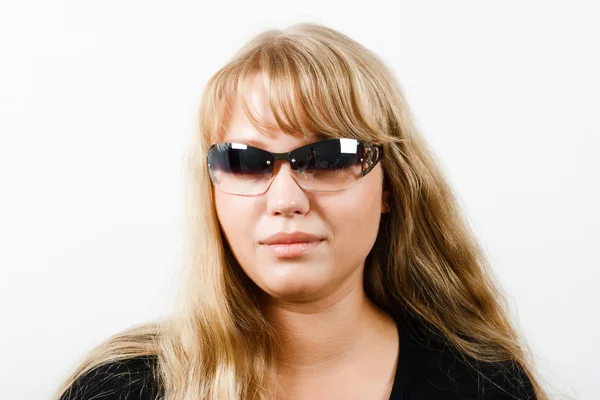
240 169
329 165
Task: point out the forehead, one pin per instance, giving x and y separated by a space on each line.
279 143
240 129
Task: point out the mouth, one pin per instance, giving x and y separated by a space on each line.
290 250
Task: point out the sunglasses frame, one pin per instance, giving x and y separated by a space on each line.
373 151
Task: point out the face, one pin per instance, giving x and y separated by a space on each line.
347 220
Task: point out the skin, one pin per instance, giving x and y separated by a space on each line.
335 343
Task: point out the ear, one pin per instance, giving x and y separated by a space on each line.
385 201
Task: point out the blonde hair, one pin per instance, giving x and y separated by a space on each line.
425 262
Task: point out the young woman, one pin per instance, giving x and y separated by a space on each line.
327 258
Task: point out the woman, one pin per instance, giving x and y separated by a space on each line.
327 256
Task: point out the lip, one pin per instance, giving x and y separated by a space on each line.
292 249
291 238
295 244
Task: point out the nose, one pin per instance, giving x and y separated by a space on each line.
284 195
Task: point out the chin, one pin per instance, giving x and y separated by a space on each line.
293 286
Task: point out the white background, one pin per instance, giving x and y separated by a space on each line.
98 100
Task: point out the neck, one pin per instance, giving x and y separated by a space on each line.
319 335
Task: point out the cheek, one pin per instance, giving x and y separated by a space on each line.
234 223
355 222
357 219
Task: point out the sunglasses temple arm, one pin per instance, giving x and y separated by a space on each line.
373 158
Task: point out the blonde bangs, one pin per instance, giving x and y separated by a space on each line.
312 90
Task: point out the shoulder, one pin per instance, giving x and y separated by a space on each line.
436 371
454 377
132 378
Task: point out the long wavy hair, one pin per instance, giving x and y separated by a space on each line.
426 262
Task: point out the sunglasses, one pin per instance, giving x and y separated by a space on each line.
326 166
